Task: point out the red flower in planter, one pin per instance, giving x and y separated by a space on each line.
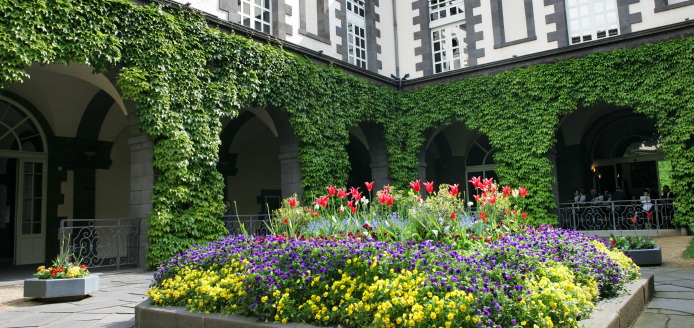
53 272
523 191
292 202
476 182
649 214
331 190
83 266
454 189
633 220
416 185
613 243
429 186
369 185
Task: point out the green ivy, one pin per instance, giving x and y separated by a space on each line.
185 77
520 111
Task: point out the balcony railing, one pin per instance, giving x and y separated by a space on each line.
618 215
254 224
103 242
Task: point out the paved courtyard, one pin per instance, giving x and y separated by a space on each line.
113 305
673 303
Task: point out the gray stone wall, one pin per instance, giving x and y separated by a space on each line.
142 178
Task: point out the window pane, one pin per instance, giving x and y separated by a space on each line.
266 17
36 215
246 8
38 184
37 228
26 210
266 28
26 228
247 21
28 183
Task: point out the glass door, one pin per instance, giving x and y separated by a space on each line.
31 226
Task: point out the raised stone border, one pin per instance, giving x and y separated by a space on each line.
618 312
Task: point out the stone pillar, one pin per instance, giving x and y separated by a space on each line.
422 169
290 169
142 177
378 154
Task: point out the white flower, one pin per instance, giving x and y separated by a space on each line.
469 203
515 193
364 200
298 211
317 207
342 208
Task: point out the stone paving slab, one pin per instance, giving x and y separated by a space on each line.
673 302
117 321
70 324
35 320
678 295
7 316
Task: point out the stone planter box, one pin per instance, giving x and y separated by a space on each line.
61 288
646 256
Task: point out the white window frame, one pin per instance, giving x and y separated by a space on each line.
590 20
256 14
356 44
357 8
442 50
438 8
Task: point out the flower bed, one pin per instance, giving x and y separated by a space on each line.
541 277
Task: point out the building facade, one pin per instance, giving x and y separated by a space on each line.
71 149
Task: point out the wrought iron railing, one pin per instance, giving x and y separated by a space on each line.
618 215
254 224
103 242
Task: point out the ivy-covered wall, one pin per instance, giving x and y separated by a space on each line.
185 76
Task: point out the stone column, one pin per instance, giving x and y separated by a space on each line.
142 177
290 169
378 154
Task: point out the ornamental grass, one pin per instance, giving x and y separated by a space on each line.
534 277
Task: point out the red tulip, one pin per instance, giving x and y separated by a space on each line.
484 217
649 214
429 186
389 199
488 240
382 198
523 191
476 182
514 212
507 191
613 243
452 215
369 185
315 214
356 195
477 198
508 212
454 189
308 209
354 209
292 202
487 183
416 185
286 221
386 189
525 215
322 200
342 193
331 190
633 220
350 203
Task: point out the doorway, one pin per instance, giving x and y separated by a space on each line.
8 192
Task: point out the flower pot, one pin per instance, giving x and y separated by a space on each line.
61 289
645 256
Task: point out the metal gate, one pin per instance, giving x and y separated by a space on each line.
103 242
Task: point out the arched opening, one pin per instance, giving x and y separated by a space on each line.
23 159
249 161
359 159
479 162
602 149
